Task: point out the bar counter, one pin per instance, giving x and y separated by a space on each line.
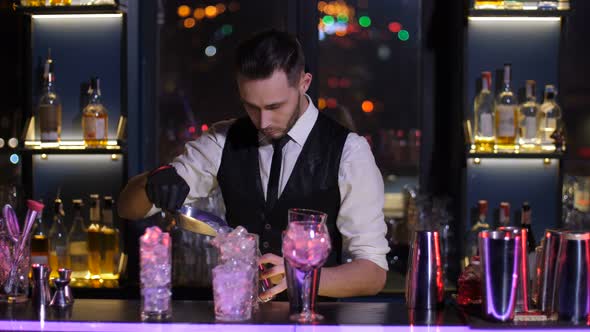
123 315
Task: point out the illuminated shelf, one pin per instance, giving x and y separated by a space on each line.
71 147
512 155
65 10
517 14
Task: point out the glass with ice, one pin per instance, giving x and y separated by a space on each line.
306 246
235 278
155 274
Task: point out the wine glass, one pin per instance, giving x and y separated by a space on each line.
306 246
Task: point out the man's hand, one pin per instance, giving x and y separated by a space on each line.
166 189
276 274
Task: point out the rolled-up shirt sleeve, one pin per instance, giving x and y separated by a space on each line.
360 219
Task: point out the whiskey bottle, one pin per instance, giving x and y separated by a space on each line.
78 247
484 115
504 214
58 241
513 4
95 118
110 237
506 116
529 119
550 118
39 242
49 108
94 238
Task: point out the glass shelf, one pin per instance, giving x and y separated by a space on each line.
517 14
66 10
71 147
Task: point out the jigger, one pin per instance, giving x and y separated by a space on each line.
424 280
63 293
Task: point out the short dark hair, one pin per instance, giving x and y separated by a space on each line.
264 53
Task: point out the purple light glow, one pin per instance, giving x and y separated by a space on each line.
491 308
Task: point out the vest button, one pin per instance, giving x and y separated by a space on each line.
267 227
265 245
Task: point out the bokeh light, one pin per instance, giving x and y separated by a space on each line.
331 102
234 6
403 35
189 23
365 21
183 11
210 11
204 127
220 8
328 20
394 27
199 13
367 106
227 29
321 103
210 50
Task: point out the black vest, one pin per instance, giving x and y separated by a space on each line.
313 184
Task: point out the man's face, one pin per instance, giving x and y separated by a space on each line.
272 103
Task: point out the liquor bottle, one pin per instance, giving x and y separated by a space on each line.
484 115
504 214
49 108
525 222
58 241
506 115
529 119
39 242
78 246
547 5
95 119
110 235
549 118
480 225
94 238
513 4
489 4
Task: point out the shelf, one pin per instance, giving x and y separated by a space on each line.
504 13
72 147
520 155
65 10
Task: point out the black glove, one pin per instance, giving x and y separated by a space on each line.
166 189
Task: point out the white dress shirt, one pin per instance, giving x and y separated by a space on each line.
360 219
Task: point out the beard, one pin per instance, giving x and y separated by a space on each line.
277 133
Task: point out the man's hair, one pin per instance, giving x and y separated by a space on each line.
264 53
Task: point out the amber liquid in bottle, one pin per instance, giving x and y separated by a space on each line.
94 238
40 249
489 4
61 2
95 119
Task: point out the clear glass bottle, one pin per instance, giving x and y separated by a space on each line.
513 4
480 225
94 238
110 237
529 119
488 4
506 115
58 240
49 108
78 247
95 119
484 115
549 118
39 242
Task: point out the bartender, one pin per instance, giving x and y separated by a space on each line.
283 154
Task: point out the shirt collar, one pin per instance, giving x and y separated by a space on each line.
302 126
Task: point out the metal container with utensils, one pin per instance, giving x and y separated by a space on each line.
573 277
500 260
523 297
551 241
424 279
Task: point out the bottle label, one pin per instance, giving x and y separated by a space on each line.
94 128
530 126
486 125
39 259
78 248
49 122
505 114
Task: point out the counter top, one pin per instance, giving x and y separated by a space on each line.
123 315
